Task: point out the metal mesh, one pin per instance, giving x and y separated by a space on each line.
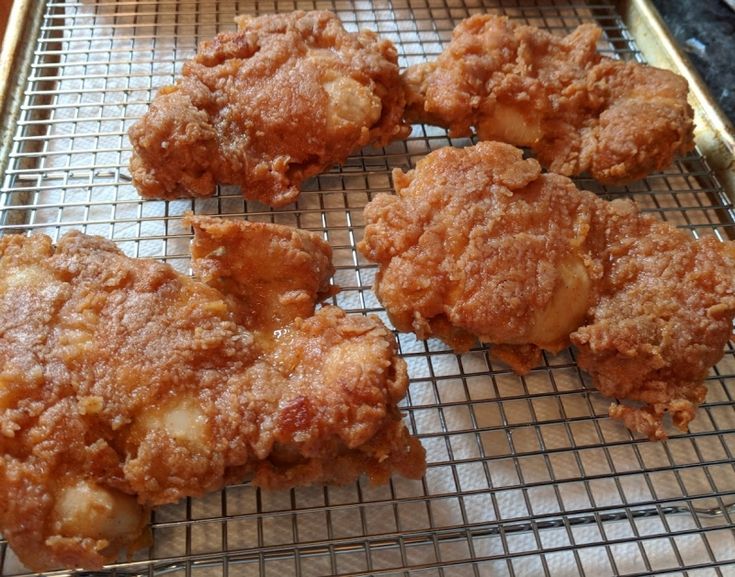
527 475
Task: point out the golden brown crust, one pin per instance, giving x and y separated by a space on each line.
247 264
477 243
662 318
266 107
467 250
579 111
122 378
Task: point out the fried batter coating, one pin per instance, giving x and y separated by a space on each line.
126 385
662 317
246 263
281 99
467 250
579 111
478 244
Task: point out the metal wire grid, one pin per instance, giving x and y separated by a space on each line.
527 475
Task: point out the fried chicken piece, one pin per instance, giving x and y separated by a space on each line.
467 251
281 99
579 111
478 244
662 317
269 274
126 385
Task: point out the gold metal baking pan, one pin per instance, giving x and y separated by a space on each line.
526 475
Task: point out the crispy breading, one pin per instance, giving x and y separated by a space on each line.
478 244
661 320
281 99
126 385
246 263
467 250
579 111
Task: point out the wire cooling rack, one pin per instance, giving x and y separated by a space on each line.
527 475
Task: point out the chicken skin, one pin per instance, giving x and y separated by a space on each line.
283 98
579 111
126 385
477 244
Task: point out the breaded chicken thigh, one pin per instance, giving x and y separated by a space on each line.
477 244
579 111
126 385
661 318
467 250
283 98
269 274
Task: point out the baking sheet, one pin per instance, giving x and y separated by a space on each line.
527 475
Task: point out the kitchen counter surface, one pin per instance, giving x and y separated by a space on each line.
706 31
